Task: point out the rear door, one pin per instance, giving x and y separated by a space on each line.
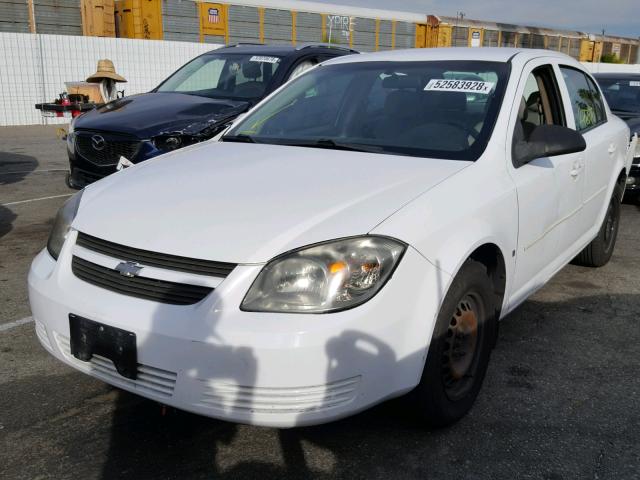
587 115
549 188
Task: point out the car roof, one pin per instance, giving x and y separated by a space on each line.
494 54
280 50
618 75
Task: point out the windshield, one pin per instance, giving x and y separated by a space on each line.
622 95
443 109
232 76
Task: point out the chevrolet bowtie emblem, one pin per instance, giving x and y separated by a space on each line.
129 269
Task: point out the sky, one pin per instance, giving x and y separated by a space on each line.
617 17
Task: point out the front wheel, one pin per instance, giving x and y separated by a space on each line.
599 251
460 348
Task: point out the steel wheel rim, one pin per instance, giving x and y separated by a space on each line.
461 347
609 226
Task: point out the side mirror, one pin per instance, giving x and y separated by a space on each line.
547 141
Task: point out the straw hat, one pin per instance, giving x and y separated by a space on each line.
105 70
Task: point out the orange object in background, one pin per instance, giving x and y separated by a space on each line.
139 19
213 19
98 18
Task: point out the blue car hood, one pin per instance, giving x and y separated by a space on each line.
149 114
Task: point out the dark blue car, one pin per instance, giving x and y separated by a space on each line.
194 104
622 91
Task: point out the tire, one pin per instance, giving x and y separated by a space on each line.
599 251
467 322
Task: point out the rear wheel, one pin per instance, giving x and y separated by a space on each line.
599 251
460 348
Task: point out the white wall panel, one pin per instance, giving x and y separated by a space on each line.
33 68
611 68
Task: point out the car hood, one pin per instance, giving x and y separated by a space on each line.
149 114
246 203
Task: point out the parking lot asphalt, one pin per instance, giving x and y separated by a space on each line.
561 399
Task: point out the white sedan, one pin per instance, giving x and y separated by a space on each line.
357 236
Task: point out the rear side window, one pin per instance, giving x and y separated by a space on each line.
586 101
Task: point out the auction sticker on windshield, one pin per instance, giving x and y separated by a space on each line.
634 83
262 59
466 86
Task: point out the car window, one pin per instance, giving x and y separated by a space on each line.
410 108
623 95
540 103
202 76
601 115
235 76
586 101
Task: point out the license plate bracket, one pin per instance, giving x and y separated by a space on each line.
90 338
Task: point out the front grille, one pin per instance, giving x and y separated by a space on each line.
140 287
112 148
149 380
226 396
154 259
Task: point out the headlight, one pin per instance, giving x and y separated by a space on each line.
326 277
167 143
61 226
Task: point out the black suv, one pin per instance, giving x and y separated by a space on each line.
194 104
622 91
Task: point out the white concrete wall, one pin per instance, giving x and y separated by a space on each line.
33 68
611 67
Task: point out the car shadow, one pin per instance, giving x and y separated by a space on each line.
7 217
14 167
526 395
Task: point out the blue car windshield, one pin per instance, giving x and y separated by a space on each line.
437 109
227 76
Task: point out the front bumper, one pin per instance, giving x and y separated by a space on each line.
83 171
277 370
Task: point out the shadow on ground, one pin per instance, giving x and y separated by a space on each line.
14 167
558 402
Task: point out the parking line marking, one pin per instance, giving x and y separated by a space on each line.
36 171
35 200
8 326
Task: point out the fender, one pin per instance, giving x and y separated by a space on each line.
446 236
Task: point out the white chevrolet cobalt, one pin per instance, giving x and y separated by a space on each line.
357 236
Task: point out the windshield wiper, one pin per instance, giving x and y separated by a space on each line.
240 138
332 144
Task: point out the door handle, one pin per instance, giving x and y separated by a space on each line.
612 149
575 169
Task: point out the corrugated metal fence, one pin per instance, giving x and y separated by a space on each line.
35 67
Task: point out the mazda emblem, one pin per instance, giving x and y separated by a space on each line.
129 269
98 142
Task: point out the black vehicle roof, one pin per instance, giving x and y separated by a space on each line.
280 50
618 76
